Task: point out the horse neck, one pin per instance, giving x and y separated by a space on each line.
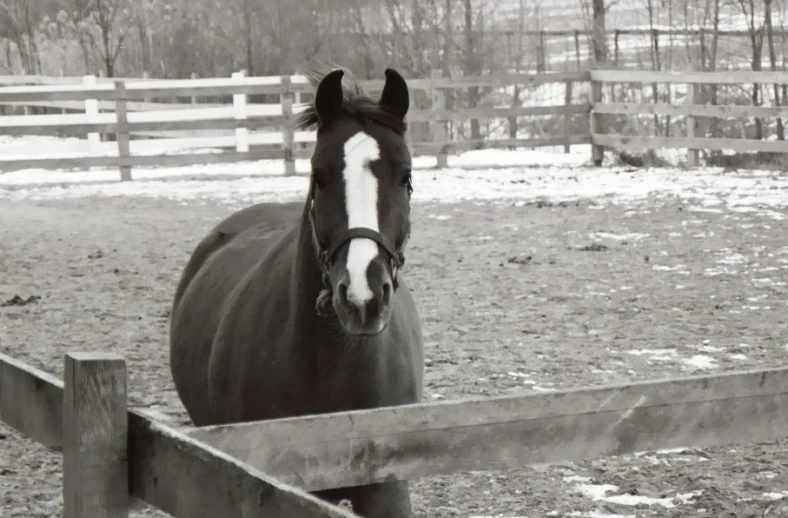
306 275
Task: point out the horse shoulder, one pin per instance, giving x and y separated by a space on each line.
249 358
407 334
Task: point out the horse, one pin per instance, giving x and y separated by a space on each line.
299 309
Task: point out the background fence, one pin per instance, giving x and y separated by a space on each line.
264 130
721 115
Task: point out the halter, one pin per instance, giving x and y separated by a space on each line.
325 255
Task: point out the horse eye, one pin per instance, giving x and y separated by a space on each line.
406 179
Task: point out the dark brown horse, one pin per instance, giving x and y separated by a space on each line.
271 322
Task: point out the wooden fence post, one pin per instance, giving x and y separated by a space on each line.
567 116
541 64
63 111
146 77
595 123
91 113
692 154
95 431
439 126
239 106
194 97
288 133
122 130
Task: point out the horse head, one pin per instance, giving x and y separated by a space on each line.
359 198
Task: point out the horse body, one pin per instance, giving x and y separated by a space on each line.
247 342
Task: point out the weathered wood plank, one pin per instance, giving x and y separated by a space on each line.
71 124
225 157
46 125
438 130
108 106
95 429
696 110
406 442
178 474
728 77
491 112
692 154
122 134
254 85
596 124
717 144
467 145
497 80
184 477
288 130
31 402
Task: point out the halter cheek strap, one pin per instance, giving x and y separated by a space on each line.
325 256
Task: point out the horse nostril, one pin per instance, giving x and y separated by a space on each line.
342 290
387 293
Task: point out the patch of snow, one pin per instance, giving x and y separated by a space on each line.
735 258
679 268
633 236
663 355
599 514
713 272
542 389
711 349
600 492
700 361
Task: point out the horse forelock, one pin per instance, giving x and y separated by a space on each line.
356 105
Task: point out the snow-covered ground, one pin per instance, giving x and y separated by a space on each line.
511 176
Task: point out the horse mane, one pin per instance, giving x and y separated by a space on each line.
356 105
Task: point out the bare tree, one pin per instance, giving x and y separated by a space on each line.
17 23
756 33
767 20
105 24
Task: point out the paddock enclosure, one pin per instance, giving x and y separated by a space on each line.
601 340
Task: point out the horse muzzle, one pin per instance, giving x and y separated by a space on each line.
364 316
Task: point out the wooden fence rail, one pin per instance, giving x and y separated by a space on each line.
262 468
688 110
242 117
110 453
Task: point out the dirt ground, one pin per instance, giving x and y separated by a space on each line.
513 298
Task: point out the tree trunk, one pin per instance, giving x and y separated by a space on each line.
767 15
715 39
513 126
248 40
471 67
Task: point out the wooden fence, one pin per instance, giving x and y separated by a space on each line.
277 140
689 110
263 468
241 116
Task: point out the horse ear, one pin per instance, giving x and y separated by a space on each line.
329 96
395 97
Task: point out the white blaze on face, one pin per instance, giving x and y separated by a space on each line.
361 193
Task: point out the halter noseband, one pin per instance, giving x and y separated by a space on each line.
325 255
